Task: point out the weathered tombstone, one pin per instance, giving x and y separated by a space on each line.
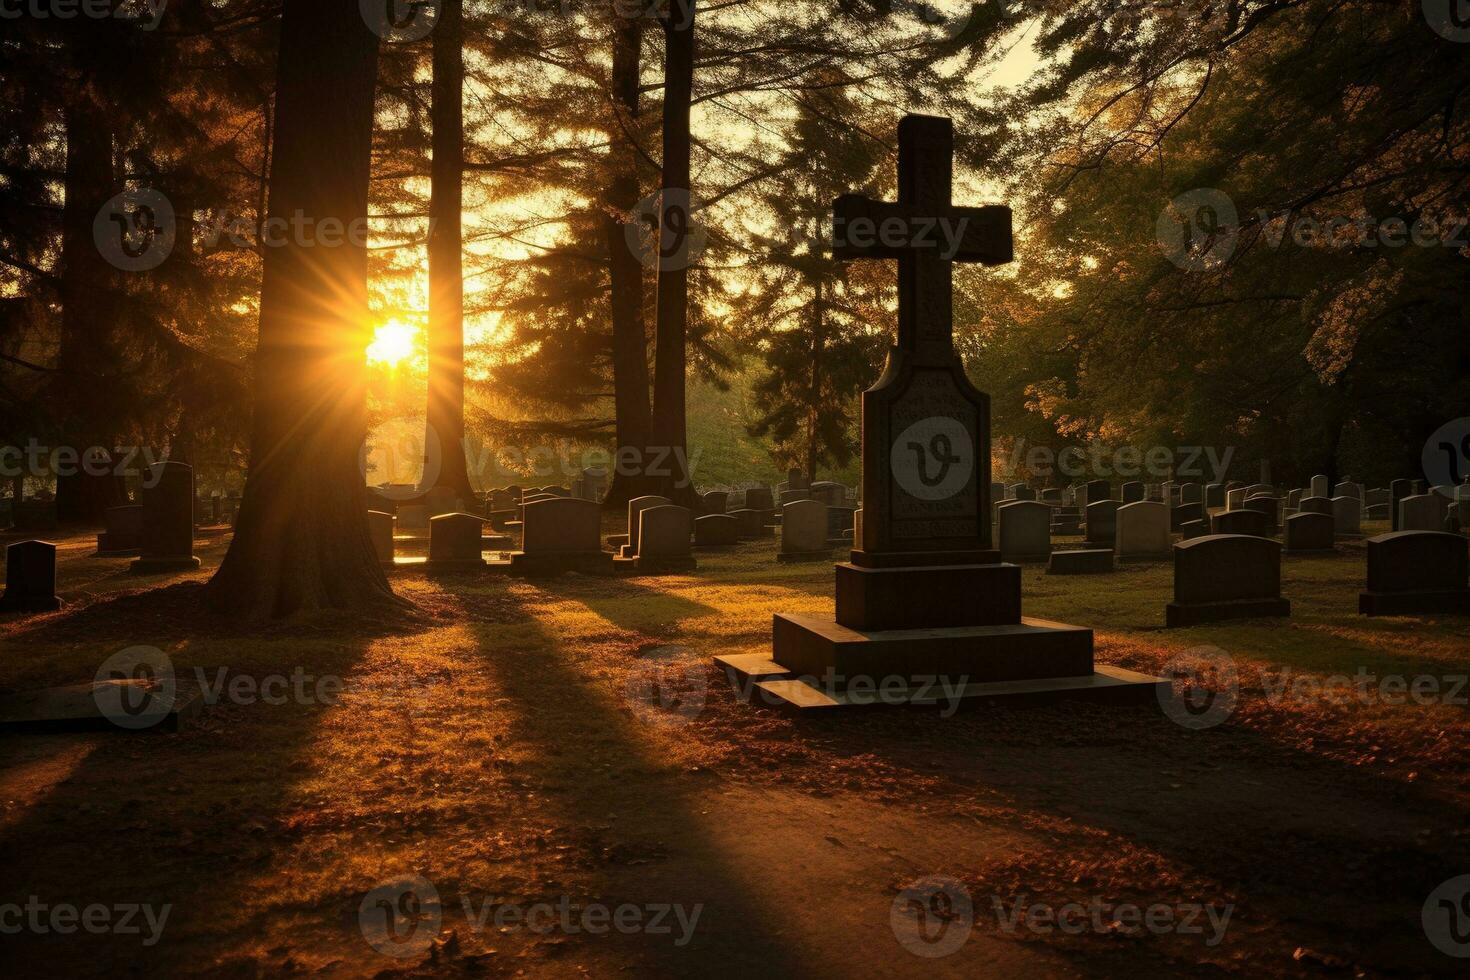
594 483
216 508
1321 486
1014 489
1397 491
441 500
797 480
1422 512
1023 492
1347 515
168 520
759 498
454 542
1243 521
1102 522
380 529
1348 489
664 536
1234 498
636 507
1309 533
1133 491
1185 514
1294 500
925 593
30 578
1052 495
716 531
716 502
1226 576
124 534
1098 490
562 534
1190 493
1092 561
1376 497
1025 531
1215 495
1417 572
839 523
830 493
1193 529
792 496
1142 531
804 532
997 492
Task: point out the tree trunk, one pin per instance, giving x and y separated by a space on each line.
669 420
86 357
446 262
301 541
625 272
814 391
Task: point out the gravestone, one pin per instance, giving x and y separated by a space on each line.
124 534
759 498
1321 486
1133 491
839 523
636 507
1347 515
1215 495
1417 572
1376 497
716 502
1025 531
1169 493
716 531
1226 576
829 493
559 535
1309 533
1348 489
454 542
1102 523
1142 531
1315 505
1422 512
804 532
594 484
1090 561
1234 498
1294 500
1185 514
380 529
1268 506
925 594
1397 491
797 480
1190 493
751 523
1098 490
664 540
1251 522
441 500
168 520
1193 529
413 517
30 578
792 496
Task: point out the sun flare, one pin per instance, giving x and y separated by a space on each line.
393 343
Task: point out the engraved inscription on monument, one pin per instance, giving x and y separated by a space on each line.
932 459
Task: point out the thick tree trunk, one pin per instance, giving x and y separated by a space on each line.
446 263
814 389
86 354
301 542
625 272
669 419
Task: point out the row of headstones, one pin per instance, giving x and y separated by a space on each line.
1231 576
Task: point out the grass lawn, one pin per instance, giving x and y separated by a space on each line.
498 744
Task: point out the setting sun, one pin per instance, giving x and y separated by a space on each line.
393 343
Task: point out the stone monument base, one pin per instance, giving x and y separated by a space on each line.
1197 613
156 566
1452 601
